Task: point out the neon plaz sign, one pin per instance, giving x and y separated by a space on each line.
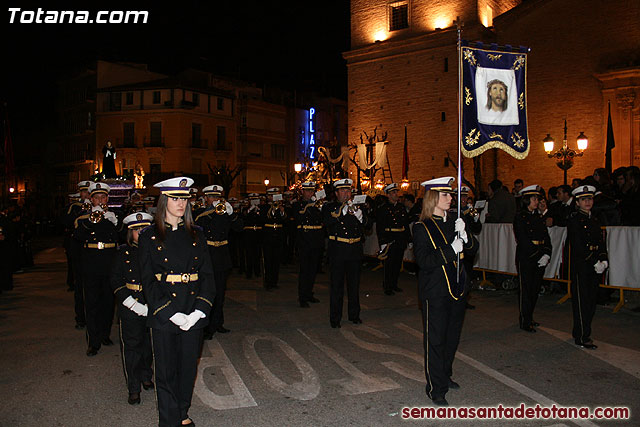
312 133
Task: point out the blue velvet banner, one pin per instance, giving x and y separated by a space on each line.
494 100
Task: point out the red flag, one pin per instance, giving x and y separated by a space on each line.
405 157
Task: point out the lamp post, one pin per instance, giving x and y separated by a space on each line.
564 155
266 184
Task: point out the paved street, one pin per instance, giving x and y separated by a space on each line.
284 365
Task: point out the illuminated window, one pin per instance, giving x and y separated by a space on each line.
398 15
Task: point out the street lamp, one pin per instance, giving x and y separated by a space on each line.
266 184
565 155
297 167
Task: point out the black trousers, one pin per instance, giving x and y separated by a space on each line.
309 263
70 275
584 293
442 319
217 313
340 269
176 365
98 300
392 265
252 247
272 250
530 279
135 347
78 289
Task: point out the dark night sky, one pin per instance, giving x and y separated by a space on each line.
288 43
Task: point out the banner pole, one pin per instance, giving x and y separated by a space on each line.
459 180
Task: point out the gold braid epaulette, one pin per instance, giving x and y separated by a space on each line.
75 223
205 213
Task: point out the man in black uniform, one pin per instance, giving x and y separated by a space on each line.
392 227
126 282
274 217
216 222
81 207
533 253
588 261
97 233
252 236
74 203
345 224
310 241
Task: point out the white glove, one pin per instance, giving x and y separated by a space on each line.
192 319
358 214
135 306
410 246
457 245
459 227
600 266
542 262
229 208
111 217
345 209
96 208
179 319
384 245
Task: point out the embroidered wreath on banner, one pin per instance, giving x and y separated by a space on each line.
467 96
494 57
472 140
517 140
518 63
521 101
495 135
469 56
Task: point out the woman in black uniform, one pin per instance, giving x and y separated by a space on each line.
442 292
178 284
132 310
588 261
533 253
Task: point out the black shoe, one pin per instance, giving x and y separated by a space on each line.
389 292
148 385
470 307
453 385
80 326
528 329
134 399
588 345
356 321
107 341
335 325
534 323
397 289
440 401
304 304
223 330
208 336
313 300
92 351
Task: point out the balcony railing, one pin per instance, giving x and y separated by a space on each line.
153 142
199 143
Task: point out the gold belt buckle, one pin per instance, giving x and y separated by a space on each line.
185 278
100 245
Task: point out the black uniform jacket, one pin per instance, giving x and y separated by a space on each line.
585 239
177 255
273 222
532 237
437 260
216 229
392 224
310 225
99 242
346 233
125 279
